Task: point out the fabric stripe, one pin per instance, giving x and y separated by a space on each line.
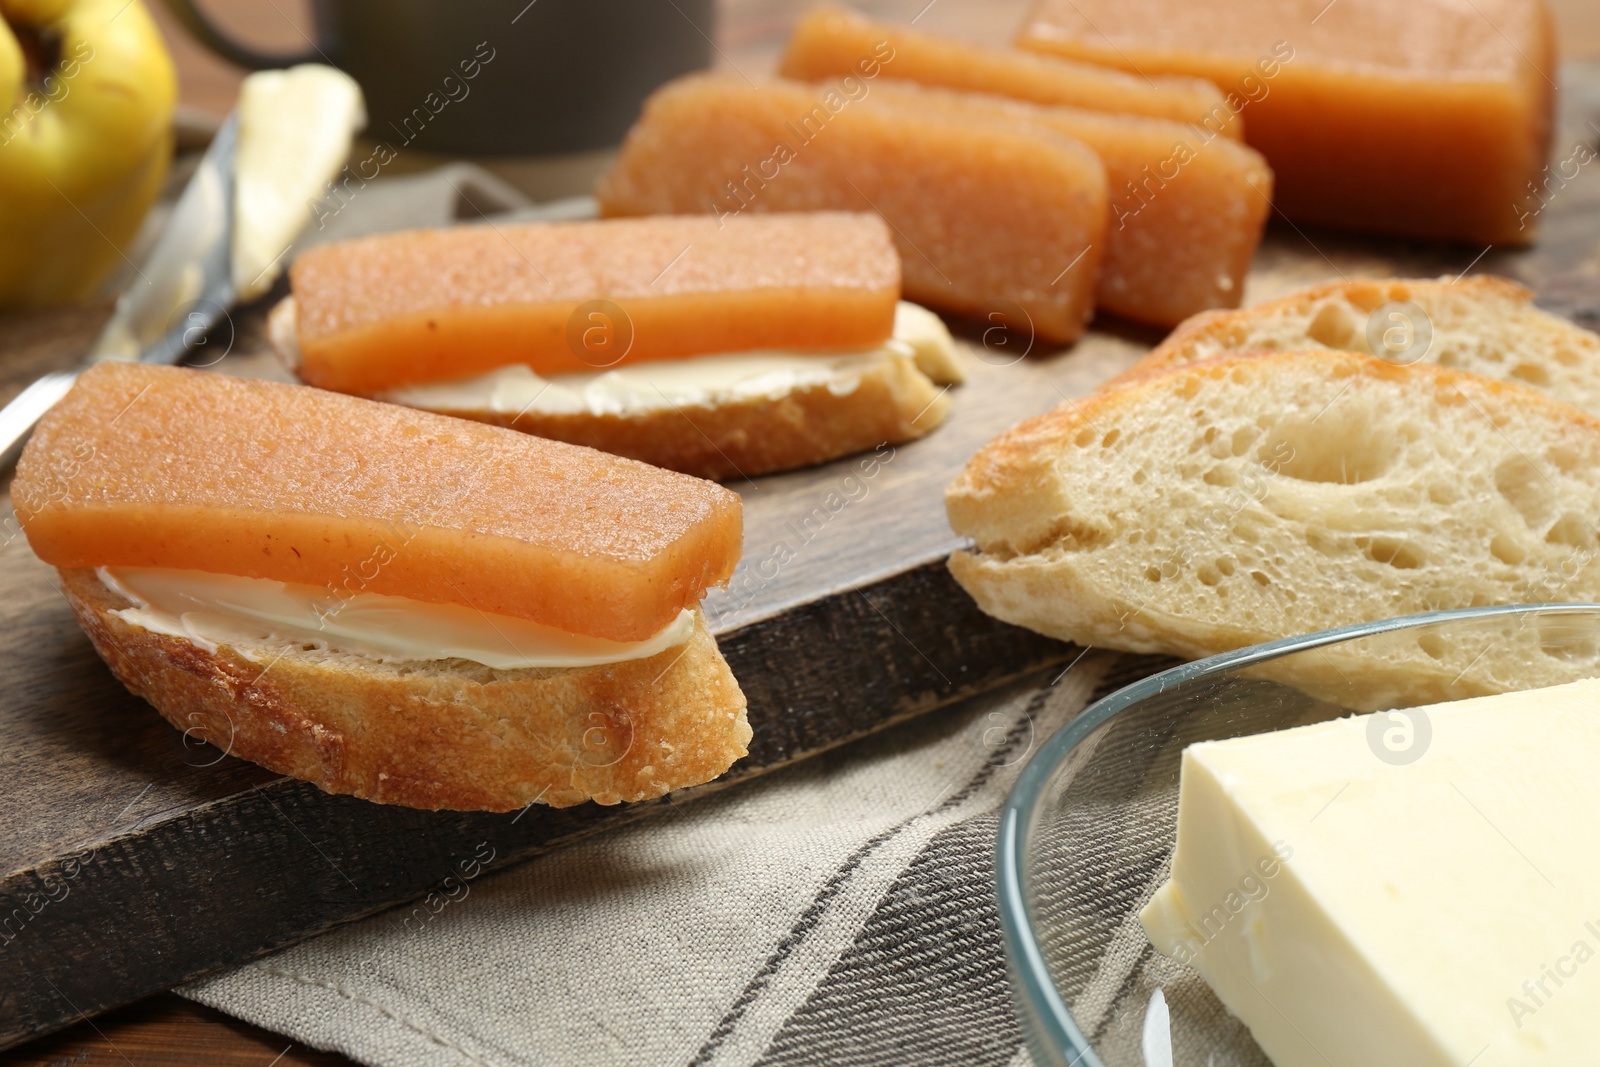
925 982
1044 709
1020 731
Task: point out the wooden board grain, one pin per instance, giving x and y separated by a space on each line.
167 1030
135 856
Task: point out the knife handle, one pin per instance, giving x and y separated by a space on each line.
26 408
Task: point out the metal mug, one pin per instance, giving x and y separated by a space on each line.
491 78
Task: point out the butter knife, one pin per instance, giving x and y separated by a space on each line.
184 288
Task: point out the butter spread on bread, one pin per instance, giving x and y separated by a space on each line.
919 336
215 609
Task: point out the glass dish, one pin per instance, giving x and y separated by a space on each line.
1087 834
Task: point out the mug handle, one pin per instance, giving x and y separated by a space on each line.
199 24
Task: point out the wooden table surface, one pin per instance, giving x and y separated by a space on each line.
166 1029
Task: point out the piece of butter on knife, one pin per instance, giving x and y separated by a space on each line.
295 131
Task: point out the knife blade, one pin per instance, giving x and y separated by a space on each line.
184 288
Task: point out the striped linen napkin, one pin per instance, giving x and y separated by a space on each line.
839 911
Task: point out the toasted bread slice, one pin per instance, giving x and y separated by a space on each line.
831 408
1252 497
446 734
1482 324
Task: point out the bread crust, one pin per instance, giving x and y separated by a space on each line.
437 735
890 401
1210 333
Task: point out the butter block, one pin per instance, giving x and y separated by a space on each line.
1187 206
831 42
1429 118
984 213
1410 888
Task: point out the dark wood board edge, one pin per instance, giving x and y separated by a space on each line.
216 885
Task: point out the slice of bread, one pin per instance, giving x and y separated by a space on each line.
860 403
447 734
1482 324
1252 497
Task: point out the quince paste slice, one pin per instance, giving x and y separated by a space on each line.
142 466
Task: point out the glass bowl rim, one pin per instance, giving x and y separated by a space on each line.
1046 1009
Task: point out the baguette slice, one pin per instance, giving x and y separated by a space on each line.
837 407
1251 497
1482 324
447 734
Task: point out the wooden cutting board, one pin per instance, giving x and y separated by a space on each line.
134 857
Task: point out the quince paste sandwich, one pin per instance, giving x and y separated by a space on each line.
715 347
410 608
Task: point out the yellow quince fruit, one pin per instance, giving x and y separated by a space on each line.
87 91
